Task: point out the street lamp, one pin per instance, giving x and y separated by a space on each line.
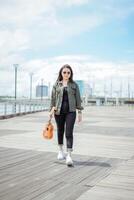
111 87
128 88
16 68
121 89
31 80
15 90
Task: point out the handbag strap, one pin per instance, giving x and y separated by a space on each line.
49 121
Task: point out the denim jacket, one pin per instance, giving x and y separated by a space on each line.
74 98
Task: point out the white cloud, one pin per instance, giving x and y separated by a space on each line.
37 25
12 40
23 12
84 67
76 2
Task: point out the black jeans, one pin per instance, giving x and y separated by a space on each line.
65 122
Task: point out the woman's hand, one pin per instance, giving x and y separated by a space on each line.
79 117
51 113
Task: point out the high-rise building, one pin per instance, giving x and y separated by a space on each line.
41 91
81 85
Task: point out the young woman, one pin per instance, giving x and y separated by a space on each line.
65 99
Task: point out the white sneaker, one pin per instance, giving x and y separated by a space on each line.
61 155
69 160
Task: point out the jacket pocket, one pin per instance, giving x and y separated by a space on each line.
58 91
73 89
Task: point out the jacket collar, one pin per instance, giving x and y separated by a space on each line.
59 83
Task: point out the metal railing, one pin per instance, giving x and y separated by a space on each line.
12 107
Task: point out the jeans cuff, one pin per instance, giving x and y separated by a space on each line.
69 149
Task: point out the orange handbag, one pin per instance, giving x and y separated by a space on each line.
48 130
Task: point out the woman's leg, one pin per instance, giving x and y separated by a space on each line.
70 120
60 121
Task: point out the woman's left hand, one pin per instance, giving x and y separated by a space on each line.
79 117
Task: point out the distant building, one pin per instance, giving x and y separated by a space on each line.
88 90
81 85
41 91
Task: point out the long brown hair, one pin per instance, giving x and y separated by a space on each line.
60 78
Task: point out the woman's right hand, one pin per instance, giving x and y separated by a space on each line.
51 113
79 117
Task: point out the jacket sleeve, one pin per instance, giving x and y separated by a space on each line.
53 98
78 99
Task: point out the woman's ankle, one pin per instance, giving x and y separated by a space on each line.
60 147
69 151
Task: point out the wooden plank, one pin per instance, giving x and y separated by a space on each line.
17 176
25 178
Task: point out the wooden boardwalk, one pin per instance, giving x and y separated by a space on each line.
35 175
103 168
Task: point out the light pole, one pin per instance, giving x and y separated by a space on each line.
15 90
90 85
105 93
31 81
93 83
121 89
111 87
128 89
16 68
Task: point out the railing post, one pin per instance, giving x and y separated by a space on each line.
33 107
19 107
14 108
29 107
25 107
5 108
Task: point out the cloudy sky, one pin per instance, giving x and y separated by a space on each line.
95 37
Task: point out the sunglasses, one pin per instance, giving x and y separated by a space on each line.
66 72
